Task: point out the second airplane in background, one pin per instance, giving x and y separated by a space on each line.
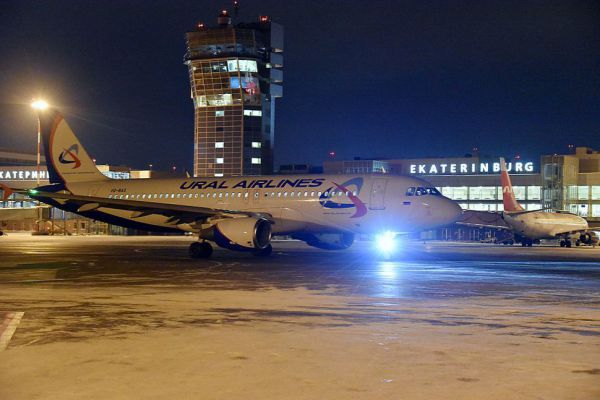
531 225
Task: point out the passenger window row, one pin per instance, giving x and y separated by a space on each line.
227 195
422 191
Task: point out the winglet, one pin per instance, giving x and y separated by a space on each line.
508 196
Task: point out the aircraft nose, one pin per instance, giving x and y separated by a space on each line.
450 211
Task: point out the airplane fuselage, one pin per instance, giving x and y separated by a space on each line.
294 203
544 225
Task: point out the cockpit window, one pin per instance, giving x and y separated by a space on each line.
422 191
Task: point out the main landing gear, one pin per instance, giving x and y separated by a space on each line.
566 243
204 250
200 250
526 242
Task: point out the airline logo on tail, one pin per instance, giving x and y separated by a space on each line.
361 208
69 156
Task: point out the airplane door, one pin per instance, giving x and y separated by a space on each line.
377 201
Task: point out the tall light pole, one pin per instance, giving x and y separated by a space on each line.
39 105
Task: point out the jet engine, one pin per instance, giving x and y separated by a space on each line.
241 234
326 241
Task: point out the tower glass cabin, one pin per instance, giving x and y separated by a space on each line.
236 75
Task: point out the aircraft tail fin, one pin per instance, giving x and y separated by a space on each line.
66 159
508 196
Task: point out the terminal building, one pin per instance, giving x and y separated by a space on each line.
235 75
18 213
562 182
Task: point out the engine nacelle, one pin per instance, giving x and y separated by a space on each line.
327 241
241 234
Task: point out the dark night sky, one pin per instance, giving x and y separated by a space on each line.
364 78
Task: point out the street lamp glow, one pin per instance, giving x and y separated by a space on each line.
39 104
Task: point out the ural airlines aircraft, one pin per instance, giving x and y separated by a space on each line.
534 225
325 211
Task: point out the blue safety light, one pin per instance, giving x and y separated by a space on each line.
386 243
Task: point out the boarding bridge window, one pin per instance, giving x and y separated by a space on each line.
534 193
256 145
219 113
482 193
461 193
219 145
256 160
455 193
219 160
595 210
595 192
519 192
572 192
583 192
410 191
253 113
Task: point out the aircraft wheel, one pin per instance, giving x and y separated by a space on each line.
568 243
562 243
523 244
200 250
577 242
530 243
264 252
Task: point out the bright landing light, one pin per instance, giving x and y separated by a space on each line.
39 105
386 242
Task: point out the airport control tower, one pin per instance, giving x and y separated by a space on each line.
235 75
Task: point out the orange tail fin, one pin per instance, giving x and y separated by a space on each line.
508 196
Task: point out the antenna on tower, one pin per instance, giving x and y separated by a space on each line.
236 7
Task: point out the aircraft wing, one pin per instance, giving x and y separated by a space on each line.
177 213
482 219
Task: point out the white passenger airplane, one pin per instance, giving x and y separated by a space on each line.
241 213
533 225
